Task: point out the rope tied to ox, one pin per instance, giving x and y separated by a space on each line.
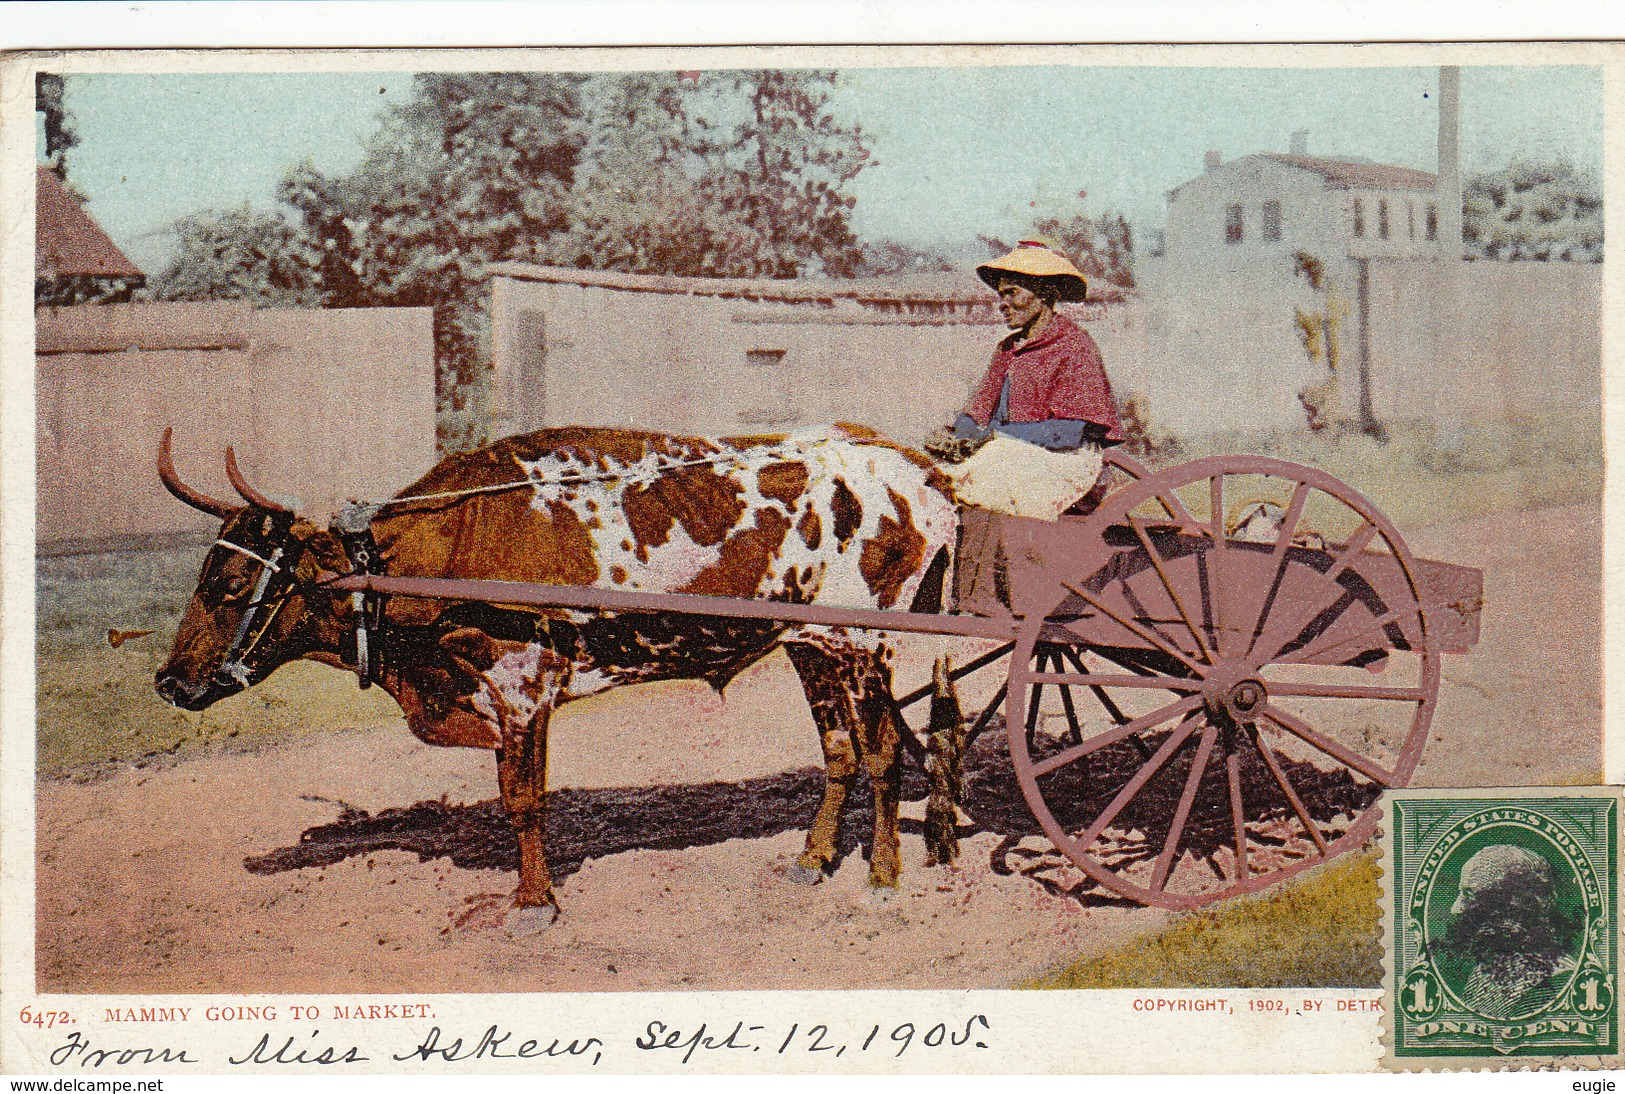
365 510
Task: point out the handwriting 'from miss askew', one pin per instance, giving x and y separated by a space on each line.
78 1049
680 1043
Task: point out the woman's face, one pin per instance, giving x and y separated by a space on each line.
1019 305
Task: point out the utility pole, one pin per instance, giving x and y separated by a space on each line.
1449 429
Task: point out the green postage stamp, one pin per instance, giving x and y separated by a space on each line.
1502 916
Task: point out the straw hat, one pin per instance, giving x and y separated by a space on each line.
1035 260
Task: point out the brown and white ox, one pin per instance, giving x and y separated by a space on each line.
836 516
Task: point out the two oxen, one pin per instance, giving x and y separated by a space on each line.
835 517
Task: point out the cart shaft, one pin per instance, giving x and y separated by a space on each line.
589 598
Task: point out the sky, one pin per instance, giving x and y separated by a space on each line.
957 151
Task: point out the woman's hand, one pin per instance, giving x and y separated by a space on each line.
949 447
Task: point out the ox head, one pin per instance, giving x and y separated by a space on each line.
258 602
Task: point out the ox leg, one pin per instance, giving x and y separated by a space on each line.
832 713
522 777
882 743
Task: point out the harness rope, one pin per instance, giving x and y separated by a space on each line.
602 476
268 563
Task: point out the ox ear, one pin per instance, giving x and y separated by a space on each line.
322 545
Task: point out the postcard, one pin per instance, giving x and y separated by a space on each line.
809 560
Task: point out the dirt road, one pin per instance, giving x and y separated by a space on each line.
274 871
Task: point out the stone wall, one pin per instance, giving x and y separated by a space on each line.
319 405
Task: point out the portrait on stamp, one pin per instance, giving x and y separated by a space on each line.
1504 916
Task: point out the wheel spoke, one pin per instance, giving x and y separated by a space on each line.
1128 465
1283 540
1035 696
1238 815
1285 784
1099 680
1347 691
1105 700
1216 590
1071 712
1179 605
1112 736
1176 510
1340 562
1375 626
957 674
1175 739
1170 845
1148 635
986 716
1347 758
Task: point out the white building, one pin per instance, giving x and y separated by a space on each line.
1271 203
1225 296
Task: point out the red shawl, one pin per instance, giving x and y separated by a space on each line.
1058 374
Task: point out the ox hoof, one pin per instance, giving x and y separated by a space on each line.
527 921
804 875
882 896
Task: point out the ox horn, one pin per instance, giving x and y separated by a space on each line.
172 482
250 495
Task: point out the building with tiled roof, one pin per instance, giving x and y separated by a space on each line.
74 259
1282 203
1359 174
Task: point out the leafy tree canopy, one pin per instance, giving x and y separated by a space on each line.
246 254
729 174
60 134
1101 247
1533 210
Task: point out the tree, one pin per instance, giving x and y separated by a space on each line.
248 255
637 206
890 258
1320 333
471 169
719 174
1533 210
1101 247
779 177
60 134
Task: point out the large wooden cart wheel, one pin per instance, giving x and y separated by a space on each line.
1255 634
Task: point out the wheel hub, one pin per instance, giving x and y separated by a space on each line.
1232 695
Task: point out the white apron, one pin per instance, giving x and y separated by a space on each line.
1025 480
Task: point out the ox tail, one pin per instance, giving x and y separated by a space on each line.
945 767
928 597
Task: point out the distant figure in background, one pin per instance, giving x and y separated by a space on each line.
1030 441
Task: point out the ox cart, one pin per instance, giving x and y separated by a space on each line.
1207 681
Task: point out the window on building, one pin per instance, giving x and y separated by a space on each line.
1272 221
1359 219
1232 224
1433 221
764 357
1382 219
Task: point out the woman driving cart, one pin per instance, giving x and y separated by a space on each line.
1029 442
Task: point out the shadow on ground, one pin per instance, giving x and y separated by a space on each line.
584 824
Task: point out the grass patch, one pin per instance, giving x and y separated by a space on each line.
1319 931
95 704
1416 478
